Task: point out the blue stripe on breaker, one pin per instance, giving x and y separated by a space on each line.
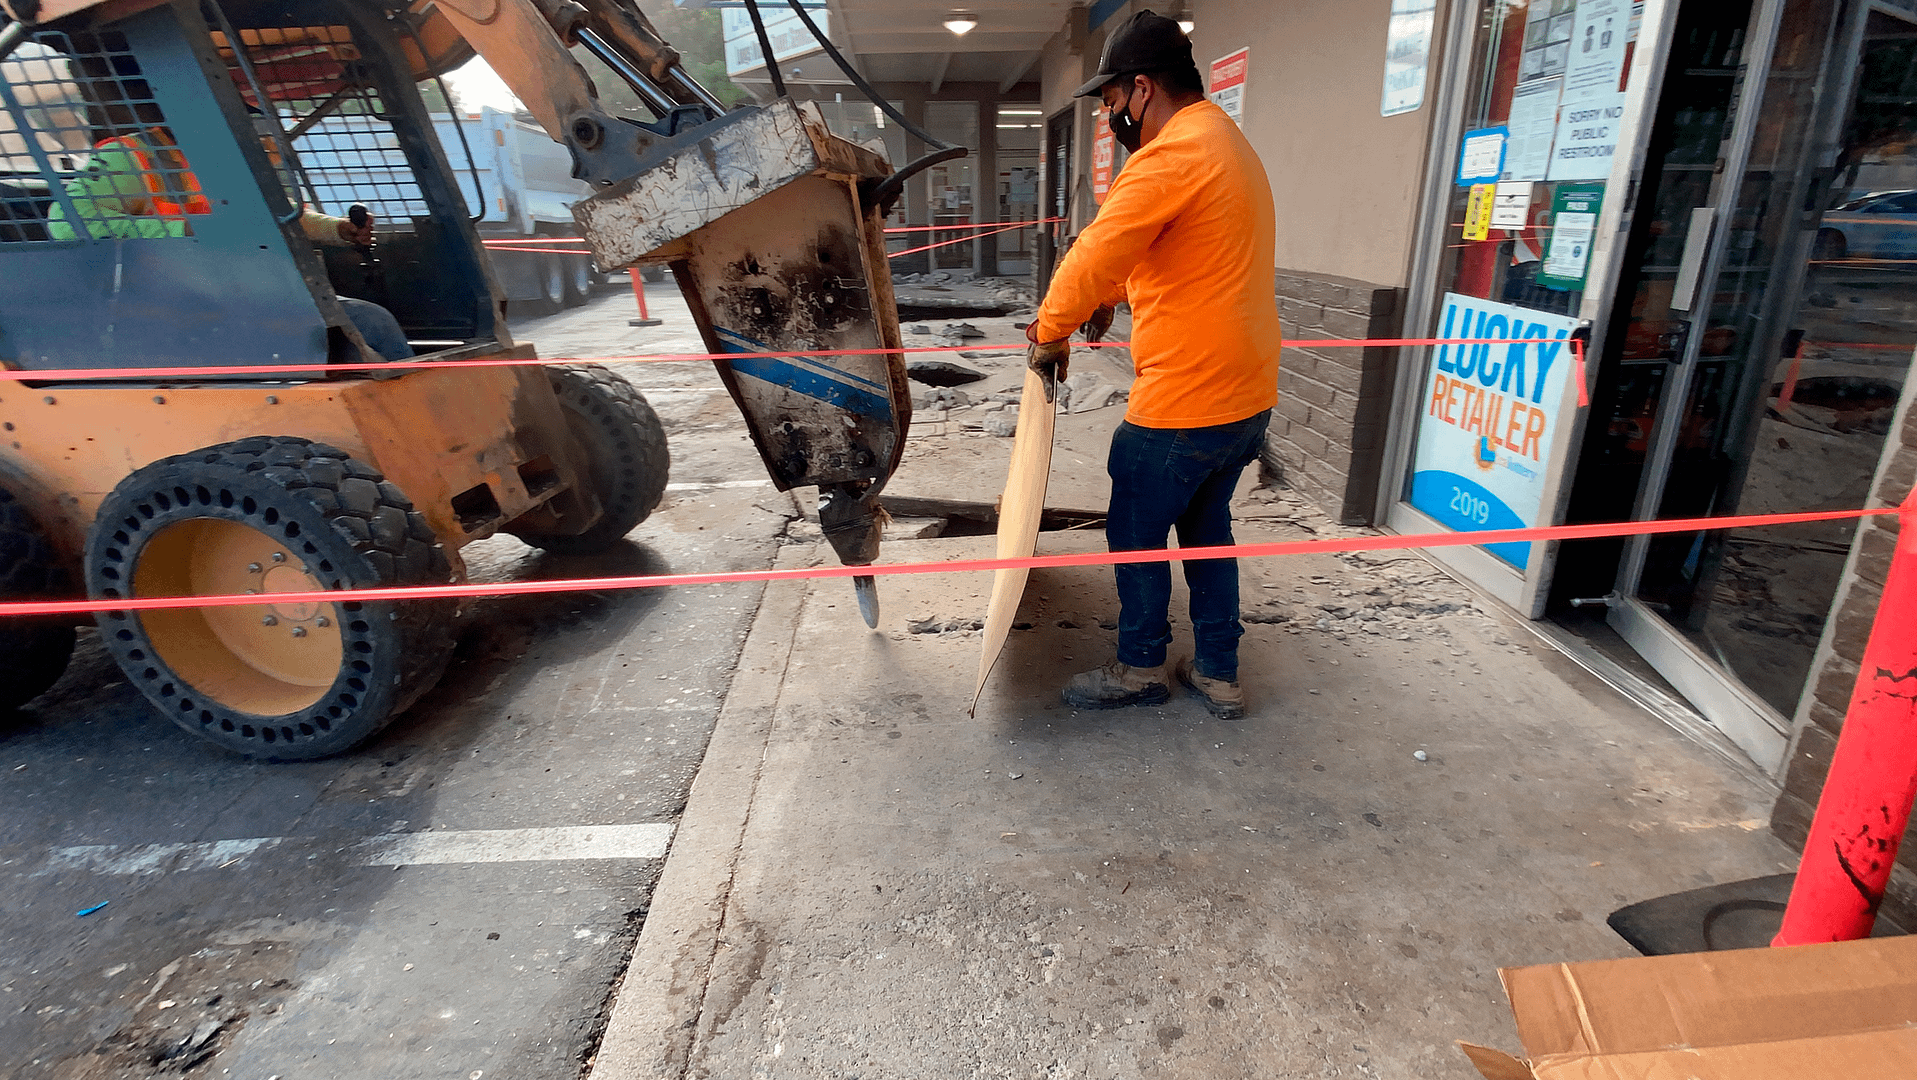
803 375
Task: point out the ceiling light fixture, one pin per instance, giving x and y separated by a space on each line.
960 22
1186 25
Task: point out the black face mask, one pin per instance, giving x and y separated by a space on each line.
1128 131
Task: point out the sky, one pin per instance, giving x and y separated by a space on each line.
475 85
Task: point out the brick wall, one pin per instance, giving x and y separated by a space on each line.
1835 674
1328 431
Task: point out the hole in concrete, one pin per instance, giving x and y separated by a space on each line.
981 519
933 308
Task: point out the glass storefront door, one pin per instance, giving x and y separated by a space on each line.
1545 109
1759 345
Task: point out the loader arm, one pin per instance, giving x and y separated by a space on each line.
771 225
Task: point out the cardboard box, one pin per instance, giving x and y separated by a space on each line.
1847 1010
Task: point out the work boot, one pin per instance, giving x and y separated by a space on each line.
1225 700
1117 685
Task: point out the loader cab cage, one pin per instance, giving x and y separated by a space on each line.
76 107
154 178
339 134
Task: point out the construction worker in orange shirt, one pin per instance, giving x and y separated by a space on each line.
1187 236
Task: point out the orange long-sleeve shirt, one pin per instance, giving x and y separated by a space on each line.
1187 235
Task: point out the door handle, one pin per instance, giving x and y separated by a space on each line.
1690 267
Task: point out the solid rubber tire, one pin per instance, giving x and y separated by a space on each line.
626 444
350 527
33 652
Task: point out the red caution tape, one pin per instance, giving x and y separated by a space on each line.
971 225
960 240
149 375
1241 551
555 251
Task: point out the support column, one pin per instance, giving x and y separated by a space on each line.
985 189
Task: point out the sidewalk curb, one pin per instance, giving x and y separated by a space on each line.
654 1020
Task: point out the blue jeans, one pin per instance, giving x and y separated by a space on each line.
1179 478
377 325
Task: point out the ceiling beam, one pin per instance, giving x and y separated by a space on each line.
1020 66
847 41
938 71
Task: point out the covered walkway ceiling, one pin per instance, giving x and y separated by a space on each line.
905 41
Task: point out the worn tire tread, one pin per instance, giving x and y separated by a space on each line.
361 510
622 432
33 652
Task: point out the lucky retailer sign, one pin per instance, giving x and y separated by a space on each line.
1490 417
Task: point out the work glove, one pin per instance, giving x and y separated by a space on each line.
1051 359
1100 323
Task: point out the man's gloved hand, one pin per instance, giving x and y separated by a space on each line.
358 234
1052 360
1100 323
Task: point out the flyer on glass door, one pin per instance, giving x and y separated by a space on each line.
1490 418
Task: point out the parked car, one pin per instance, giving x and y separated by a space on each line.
1879 226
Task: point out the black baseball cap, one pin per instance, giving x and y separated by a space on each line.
1149 42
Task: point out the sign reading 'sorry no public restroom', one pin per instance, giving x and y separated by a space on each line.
1591 108
1490 417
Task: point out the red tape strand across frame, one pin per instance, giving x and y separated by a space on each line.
960 240
1096 558
152 374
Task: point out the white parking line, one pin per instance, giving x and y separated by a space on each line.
719 484
644 841
154 858
518 845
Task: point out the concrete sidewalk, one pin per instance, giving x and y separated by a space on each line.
870 884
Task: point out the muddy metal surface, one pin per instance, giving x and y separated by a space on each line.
455 899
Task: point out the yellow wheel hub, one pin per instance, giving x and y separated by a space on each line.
264 659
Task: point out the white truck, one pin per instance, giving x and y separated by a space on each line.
517 183
520 186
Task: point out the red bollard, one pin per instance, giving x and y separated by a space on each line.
639 293
1873 773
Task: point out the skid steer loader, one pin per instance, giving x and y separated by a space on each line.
157 228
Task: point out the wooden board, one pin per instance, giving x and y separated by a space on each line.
1019 512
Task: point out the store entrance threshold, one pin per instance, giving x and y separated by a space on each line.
1584 637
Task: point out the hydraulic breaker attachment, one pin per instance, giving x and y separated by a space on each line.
768 227
772 225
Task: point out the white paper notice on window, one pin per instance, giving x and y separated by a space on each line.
1407 55
1570 251
1533 124
1591 107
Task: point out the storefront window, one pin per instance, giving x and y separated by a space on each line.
1540 130
1017 130
1792 357
952 182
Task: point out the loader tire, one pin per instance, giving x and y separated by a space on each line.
626 444
289 681
33 652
